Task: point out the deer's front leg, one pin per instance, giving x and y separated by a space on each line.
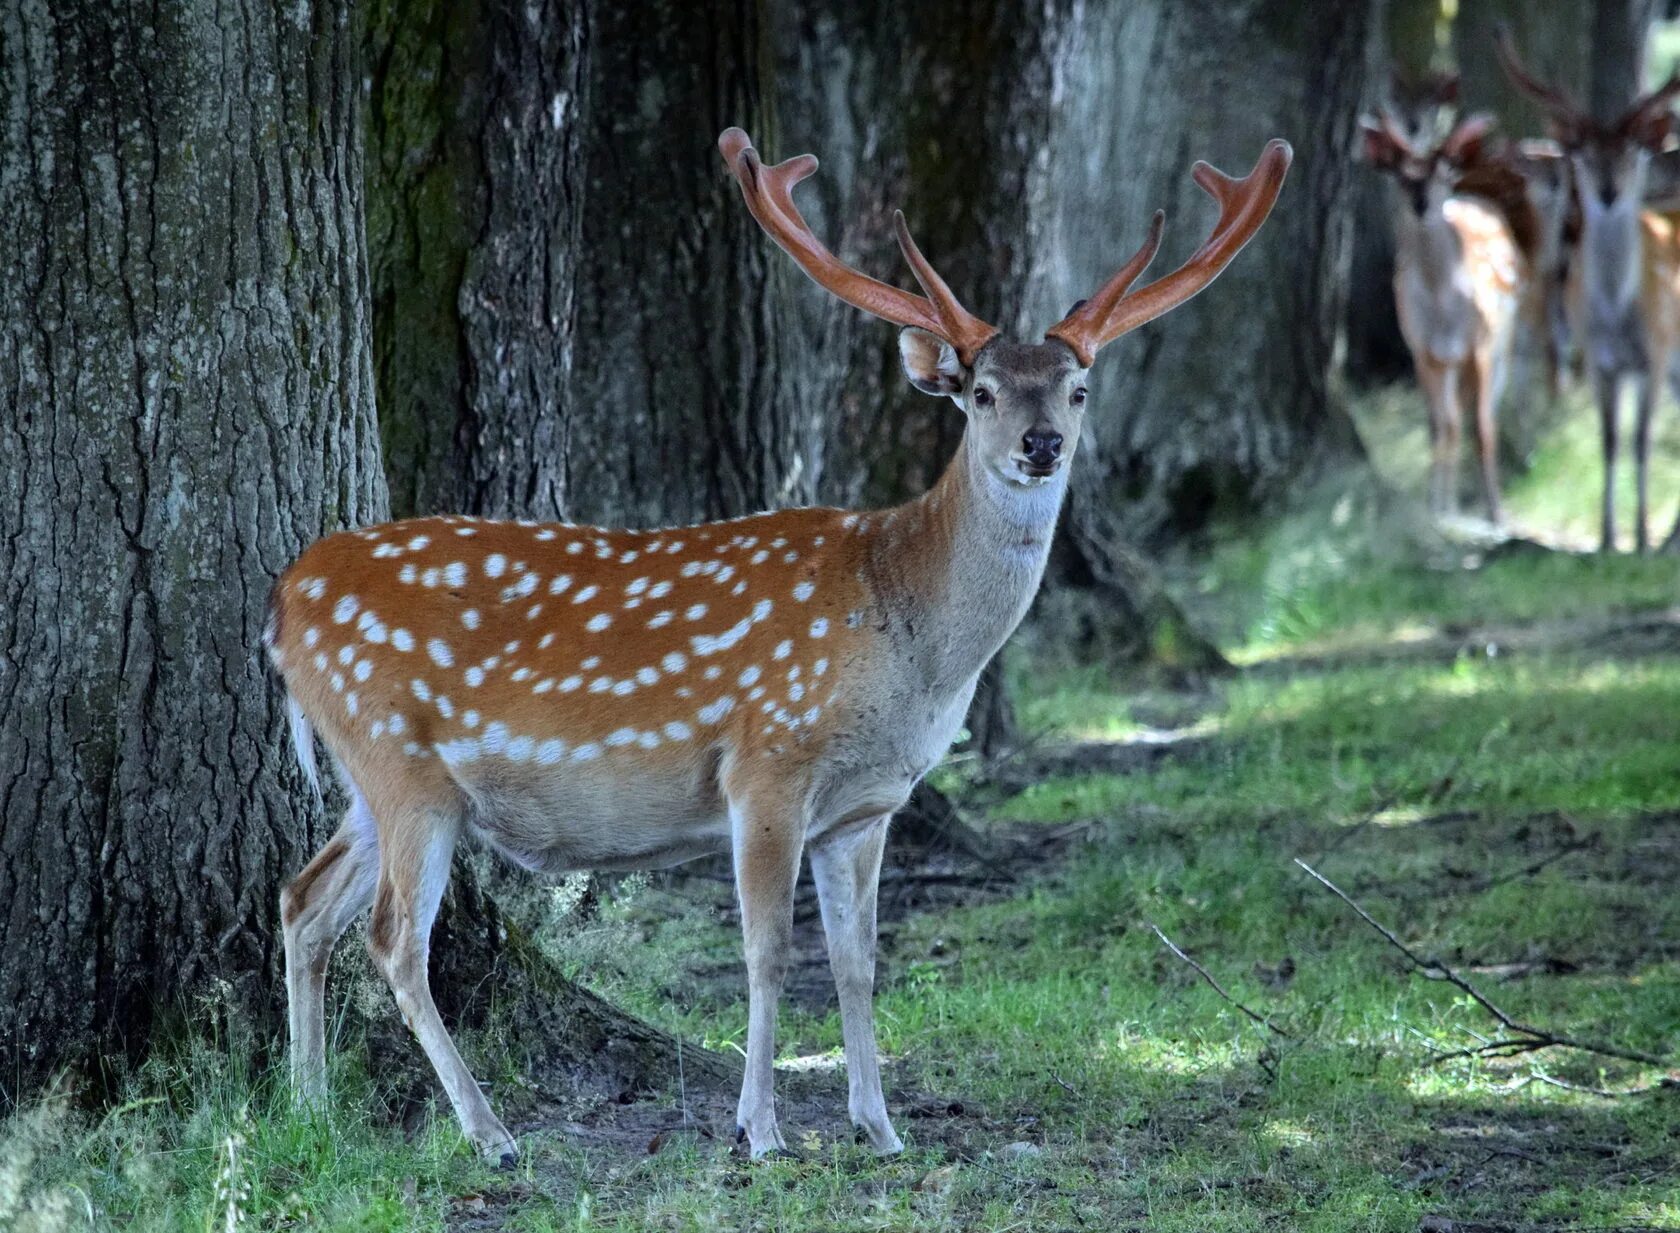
847 870
1606 388
768 830
1650 390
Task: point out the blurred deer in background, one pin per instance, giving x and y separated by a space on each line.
1624 285
1460 267
1551 191
582 698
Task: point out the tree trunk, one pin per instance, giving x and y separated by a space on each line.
1223 405
188 401
480 193
1617 68
887 96
1403 44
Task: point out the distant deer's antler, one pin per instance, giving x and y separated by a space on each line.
1554 99
1573 123
769 196
1243 206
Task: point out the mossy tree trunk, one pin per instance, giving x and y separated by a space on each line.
483 121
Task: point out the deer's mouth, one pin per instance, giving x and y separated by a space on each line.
1030 475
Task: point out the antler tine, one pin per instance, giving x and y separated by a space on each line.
1083 327
959 327
1553 98
1243 206
769 196
1658 97
1392 130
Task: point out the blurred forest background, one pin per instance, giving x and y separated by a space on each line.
276 269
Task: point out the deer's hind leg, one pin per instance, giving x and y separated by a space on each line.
417 834
315 909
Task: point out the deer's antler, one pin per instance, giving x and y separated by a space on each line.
1243 206
1554 99
769 196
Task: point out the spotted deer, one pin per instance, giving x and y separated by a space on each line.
1459 277
583 698
1623 288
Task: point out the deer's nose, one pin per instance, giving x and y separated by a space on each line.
1043 447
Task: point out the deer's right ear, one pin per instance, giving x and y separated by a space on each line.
1380 150
930 362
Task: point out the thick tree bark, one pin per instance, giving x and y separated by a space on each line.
187 401
474 205
477 204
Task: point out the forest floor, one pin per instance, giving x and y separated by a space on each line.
1479 746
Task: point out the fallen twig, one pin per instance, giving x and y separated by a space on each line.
1529 1038
1217 988
1643 1089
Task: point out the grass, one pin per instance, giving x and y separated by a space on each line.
1482 756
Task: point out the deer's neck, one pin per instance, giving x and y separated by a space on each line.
1429 246
956 569
1611 248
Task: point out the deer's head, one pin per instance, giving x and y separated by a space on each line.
1609 160
1426 174
1422 106
1025 402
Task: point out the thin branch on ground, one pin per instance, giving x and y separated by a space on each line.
1217 988
1529 1038
1540 1076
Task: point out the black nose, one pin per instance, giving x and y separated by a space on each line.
1607 194
1043 446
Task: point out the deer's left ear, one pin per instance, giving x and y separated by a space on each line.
1653 129
1378 147
1464 144
930 362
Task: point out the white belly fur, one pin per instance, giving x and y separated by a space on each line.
628 812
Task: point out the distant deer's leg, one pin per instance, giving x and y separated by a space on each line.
847 870
768 831
416 841
1606 388
315 910
1650 390
1436 381
1482 382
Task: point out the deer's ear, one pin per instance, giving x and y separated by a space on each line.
1652 129
1380 150
930 362
1463 145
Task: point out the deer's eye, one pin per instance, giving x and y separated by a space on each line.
982 396
1077 398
